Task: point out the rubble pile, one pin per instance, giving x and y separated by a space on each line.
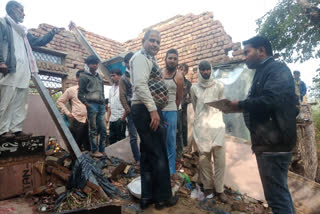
69 186
191 194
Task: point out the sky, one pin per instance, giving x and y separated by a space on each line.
124 20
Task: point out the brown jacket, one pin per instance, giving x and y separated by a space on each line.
123 90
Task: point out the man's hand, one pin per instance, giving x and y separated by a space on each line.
155 120
70 116
3 69
233 107
56 30
123 118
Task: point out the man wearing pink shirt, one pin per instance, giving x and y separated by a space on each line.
78 115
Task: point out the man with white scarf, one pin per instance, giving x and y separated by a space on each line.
209 130
16 65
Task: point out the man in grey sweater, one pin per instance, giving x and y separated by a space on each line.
150 95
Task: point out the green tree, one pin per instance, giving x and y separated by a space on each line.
315 89
293 27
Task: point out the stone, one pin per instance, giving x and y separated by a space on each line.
238 206
52 158
60 190
67 163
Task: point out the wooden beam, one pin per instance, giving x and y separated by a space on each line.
84 42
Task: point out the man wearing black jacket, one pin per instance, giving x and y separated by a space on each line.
270 115
91 94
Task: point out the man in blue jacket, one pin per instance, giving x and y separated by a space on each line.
270 115
301 88
16 65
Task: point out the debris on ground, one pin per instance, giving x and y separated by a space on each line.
118 183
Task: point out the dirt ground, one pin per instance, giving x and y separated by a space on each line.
187 205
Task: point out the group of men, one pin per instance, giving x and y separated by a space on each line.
150 99
269 110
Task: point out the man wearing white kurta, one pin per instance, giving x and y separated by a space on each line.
209 130
16 65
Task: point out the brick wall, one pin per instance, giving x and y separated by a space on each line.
196 37
106 48
63 42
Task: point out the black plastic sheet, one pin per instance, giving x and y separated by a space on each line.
84 169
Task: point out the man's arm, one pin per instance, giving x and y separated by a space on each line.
221 91
303 89
3 66
180 82
63 99
41 41
275 90
83 90
2 31
123 96
108 114
193 98
188 97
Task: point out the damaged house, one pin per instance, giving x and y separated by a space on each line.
196 37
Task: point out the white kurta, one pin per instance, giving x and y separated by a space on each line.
208 128
21 78
14 89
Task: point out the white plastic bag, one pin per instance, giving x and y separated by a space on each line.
197 193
